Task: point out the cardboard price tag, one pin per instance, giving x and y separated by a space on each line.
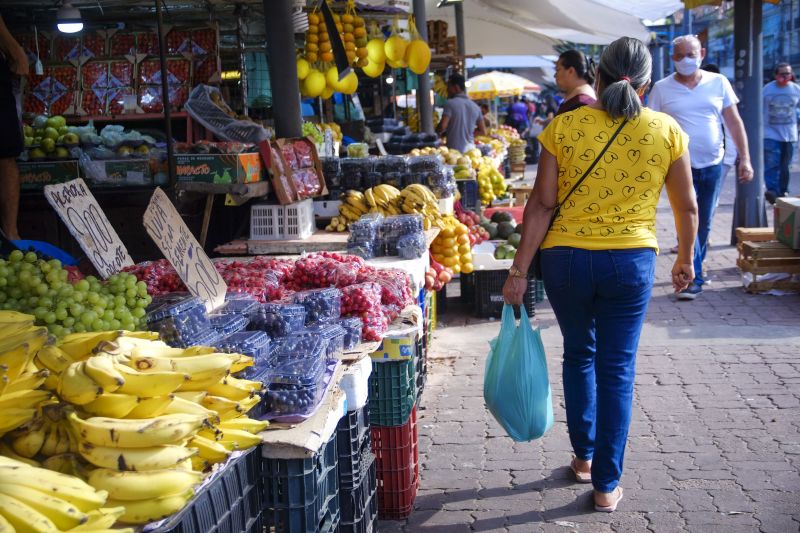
167 229
80 212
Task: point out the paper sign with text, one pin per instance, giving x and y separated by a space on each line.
167 229
80 212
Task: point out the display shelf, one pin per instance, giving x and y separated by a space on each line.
125 117
245 191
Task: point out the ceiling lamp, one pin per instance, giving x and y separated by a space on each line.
68 19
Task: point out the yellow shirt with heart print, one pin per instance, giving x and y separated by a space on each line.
615 206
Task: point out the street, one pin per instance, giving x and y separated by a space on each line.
715 441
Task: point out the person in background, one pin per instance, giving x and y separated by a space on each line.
575 78
599 256
488 118
701 102
13 65
781 101
517 115
461 117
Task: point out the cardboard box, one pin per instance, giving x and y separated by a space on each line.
118 172
397 344
283 174
36 174
787 222
219 168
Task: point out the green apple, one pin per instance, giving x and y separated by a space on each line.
37 153
40 122
71 139
27 130
48 145
56 122
63 130
62 153
50 133
124 151
28 141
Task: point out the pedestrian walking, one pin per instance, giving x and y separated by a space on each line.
701 102
600 176
575 78
461 117
781 101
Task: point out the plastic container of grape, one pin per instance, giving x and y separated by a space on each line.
322 305
179 319
313 395
240 303
333 336
352 331
209 337
298 346
225 324
295 387
256 344
279 320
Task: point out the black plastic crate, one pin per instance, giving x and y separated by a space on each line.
421 370
353 440
469 195
358 502
441 302
467 282
392 392
232 502
302 495
489 294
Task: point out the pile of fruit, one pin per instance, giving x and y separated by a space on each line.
498 144
516 152
387 201
477 234
49 137
437 276
503 227
491 183
452 246
112 426
42 288
506 132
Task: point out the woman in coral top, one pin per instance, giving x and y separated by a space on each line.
598 257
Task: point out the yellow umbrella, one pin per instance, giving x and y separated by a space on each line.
499 84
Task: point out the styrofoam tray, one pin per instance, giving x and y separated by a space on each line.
483 257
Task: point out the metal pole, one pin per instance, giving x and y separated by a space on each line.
658 61
242 61
283 67
424 106
687 21
462 48
162 55
749 210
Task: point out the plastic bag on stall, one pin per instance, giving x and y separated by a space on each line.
315 271
516 387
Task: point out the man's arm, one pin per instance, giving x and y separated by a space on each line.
442 129
17 60
736 127
480 125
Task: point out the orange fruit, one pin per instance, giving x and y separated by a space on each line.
464 249
312 38
467 268
313 18
311 57
326 56
325 47
360 31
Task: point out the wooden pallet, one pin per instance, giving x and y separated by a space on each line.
768 257
754 234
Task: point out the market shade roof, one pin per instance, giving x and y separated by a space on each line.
495 83
697 3
525 27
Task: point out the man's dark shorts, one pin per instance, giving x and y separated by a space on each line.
11 141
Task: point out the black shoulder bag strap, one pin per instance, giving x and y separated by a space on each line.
537 265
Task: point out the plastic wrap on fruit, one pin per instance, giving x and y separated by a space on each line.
288 154
391 163
318 272
362 249
332 171
301 344
395 285
322 305
278 320
371 179
352 326
425 164
361 298
412 246
395 227
375 326
302 151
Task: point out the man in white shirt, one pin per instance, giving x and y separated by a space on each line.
701 102
781 99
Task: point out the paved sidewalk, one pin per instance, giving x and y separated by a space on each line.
715 440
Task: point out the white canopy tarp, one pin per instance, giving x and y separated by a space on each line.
526 27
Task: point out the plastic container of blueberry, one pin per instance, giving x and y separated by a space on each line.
207 337
225 324
295 387
240 303
322 305
352 326
364 250
256 344
178 319
301 345
424 163
391 163
279 320
333 336
412 246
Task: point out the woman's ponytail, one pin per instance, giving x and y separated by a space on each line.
625 67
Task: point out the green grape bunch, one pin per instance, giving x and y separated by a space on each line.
42 288
311 130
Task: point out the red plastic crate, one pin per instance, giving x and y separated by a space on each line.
396 450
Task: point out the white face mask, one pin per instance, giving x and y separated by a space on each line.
688 65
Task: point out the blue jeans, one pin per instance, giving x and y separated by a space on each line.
600 300
777 158
707 183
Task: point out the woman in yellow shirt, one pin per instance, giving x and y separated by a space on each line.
599 179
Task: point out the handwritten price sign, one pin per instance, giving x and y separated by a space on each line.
176 242
77 207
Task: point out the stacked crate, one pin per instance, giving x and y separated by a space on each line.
438 39
358 499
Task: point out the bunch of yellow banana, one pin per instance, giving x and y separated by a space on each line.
383 199
37 499
47 435
20 378
352 207
418 199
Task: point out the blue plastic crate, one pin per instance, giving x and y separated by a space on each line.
353 446
469 195
231 502
302 495
360 501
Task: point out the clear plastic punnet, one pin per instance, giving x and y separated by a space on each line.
352 331
322 305
256 344
279 320
295 387
225 324
179 319
412 246
302 345
332 334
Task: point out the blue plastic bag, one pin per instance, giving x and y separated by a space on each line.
516 387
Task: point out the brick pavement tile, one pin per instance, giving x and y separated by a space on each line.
711 518
770 522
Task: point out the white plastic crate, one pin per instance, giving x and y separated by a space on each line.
272 222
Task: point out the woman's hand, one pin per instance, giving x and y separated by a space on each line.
514 290
682 275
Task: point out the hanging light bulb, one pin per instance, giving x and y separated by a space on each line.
389 80
68 19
